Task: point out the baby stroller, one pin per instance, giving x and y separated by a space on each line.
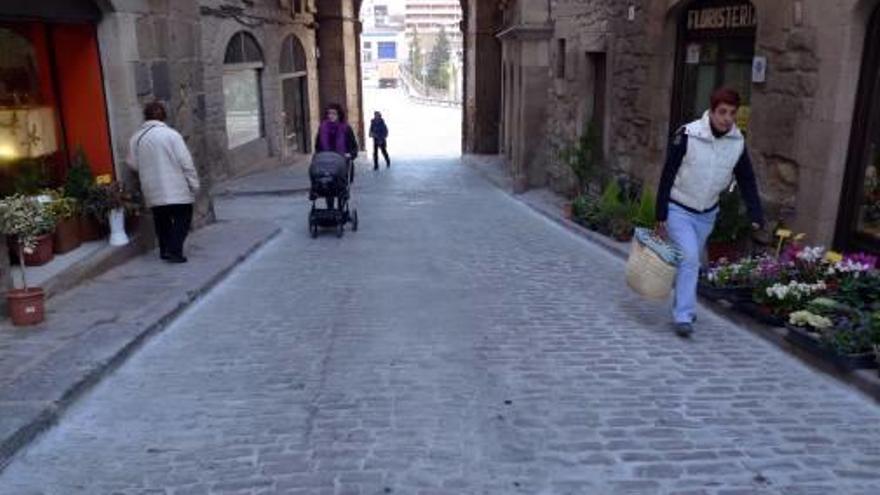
331 175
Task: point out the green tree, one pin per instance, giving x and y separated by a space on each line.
416 59
438 63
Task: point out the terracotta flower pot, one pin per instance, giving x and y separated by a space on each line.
90 229
26 306
67 236
43 252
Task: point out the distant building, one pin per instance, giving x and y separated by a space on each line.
428 17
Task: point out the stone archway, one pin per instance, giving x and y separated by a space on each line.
338 39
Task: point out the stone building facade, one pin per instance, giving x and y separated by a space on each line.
286 73
243 80
639 69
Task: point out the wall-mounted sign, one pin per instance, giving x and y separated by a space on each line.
759 70
693 54
729 17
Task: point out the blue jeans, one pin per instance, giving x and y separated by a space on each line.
689 231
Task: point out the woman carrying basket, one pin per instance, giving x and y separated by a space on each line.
703 160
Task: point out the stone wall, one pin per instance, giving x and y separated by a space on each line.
270 25
800 118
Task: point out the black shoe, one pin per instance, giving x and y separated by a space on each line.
163 256
375 167
684 330
176 258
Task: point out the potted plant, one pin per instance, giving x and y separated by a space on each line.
730 230
119 202
42 251
772 304
843 335
66 212
733 281
23 218
584 159
95 209
80 185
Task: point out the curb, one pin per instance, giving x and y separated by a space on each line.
866 381
51 412
271 192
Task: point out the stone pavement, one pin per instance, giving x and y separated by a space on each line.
459 343
290 179
94 326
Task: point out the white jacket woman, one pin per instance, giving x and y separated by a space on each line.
158 154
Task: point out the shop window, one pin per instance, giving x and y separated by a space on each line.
716 45
50 76
859 226
243 66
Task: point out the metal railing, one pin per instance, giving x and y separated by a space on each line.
421 93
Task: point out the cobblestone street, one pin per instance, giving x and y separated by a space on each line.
459 343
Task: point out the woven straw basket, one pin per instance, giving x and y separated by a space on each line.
647 273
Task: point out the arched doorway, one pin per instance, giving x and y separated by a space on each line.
242 91
859 224
716 47
294 91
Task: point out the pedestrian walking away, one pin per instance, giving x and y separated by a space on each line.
379 134
168 178
704 159
337 136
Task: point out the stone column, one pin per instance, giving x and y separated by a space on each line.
482 105
339 63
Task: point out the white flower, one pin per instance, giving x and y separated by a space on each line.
811 254
806 318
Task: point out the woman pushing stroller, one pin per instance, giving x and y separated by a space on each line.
332 171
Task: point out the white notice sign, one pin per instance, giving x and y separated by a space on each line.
693 54
759 69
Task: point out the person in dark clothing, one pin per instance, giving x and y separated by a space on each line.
379 134
704 159
337 136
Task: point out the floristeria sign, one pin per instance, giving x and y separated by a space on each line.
729 17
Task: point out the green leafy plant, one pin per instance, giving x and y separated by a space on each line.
644 214
26 219
63 208
584 158
733 223
31 176
80 180
106 197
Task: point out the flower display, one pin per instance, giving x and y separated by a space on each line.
805 318
794 290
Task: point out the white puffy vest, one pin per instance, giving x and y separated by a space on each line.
707 168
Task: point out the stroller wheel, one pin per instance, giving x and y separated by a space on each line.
340 229
354 220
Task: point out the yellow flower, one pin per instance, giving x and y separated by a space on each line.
104 179
783 233
833 257
800 237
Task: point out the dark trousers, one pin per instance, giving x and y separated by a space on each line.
172 227
380 144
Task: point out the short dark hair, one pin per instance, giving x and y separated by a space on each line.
155 110
726 96
339 111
